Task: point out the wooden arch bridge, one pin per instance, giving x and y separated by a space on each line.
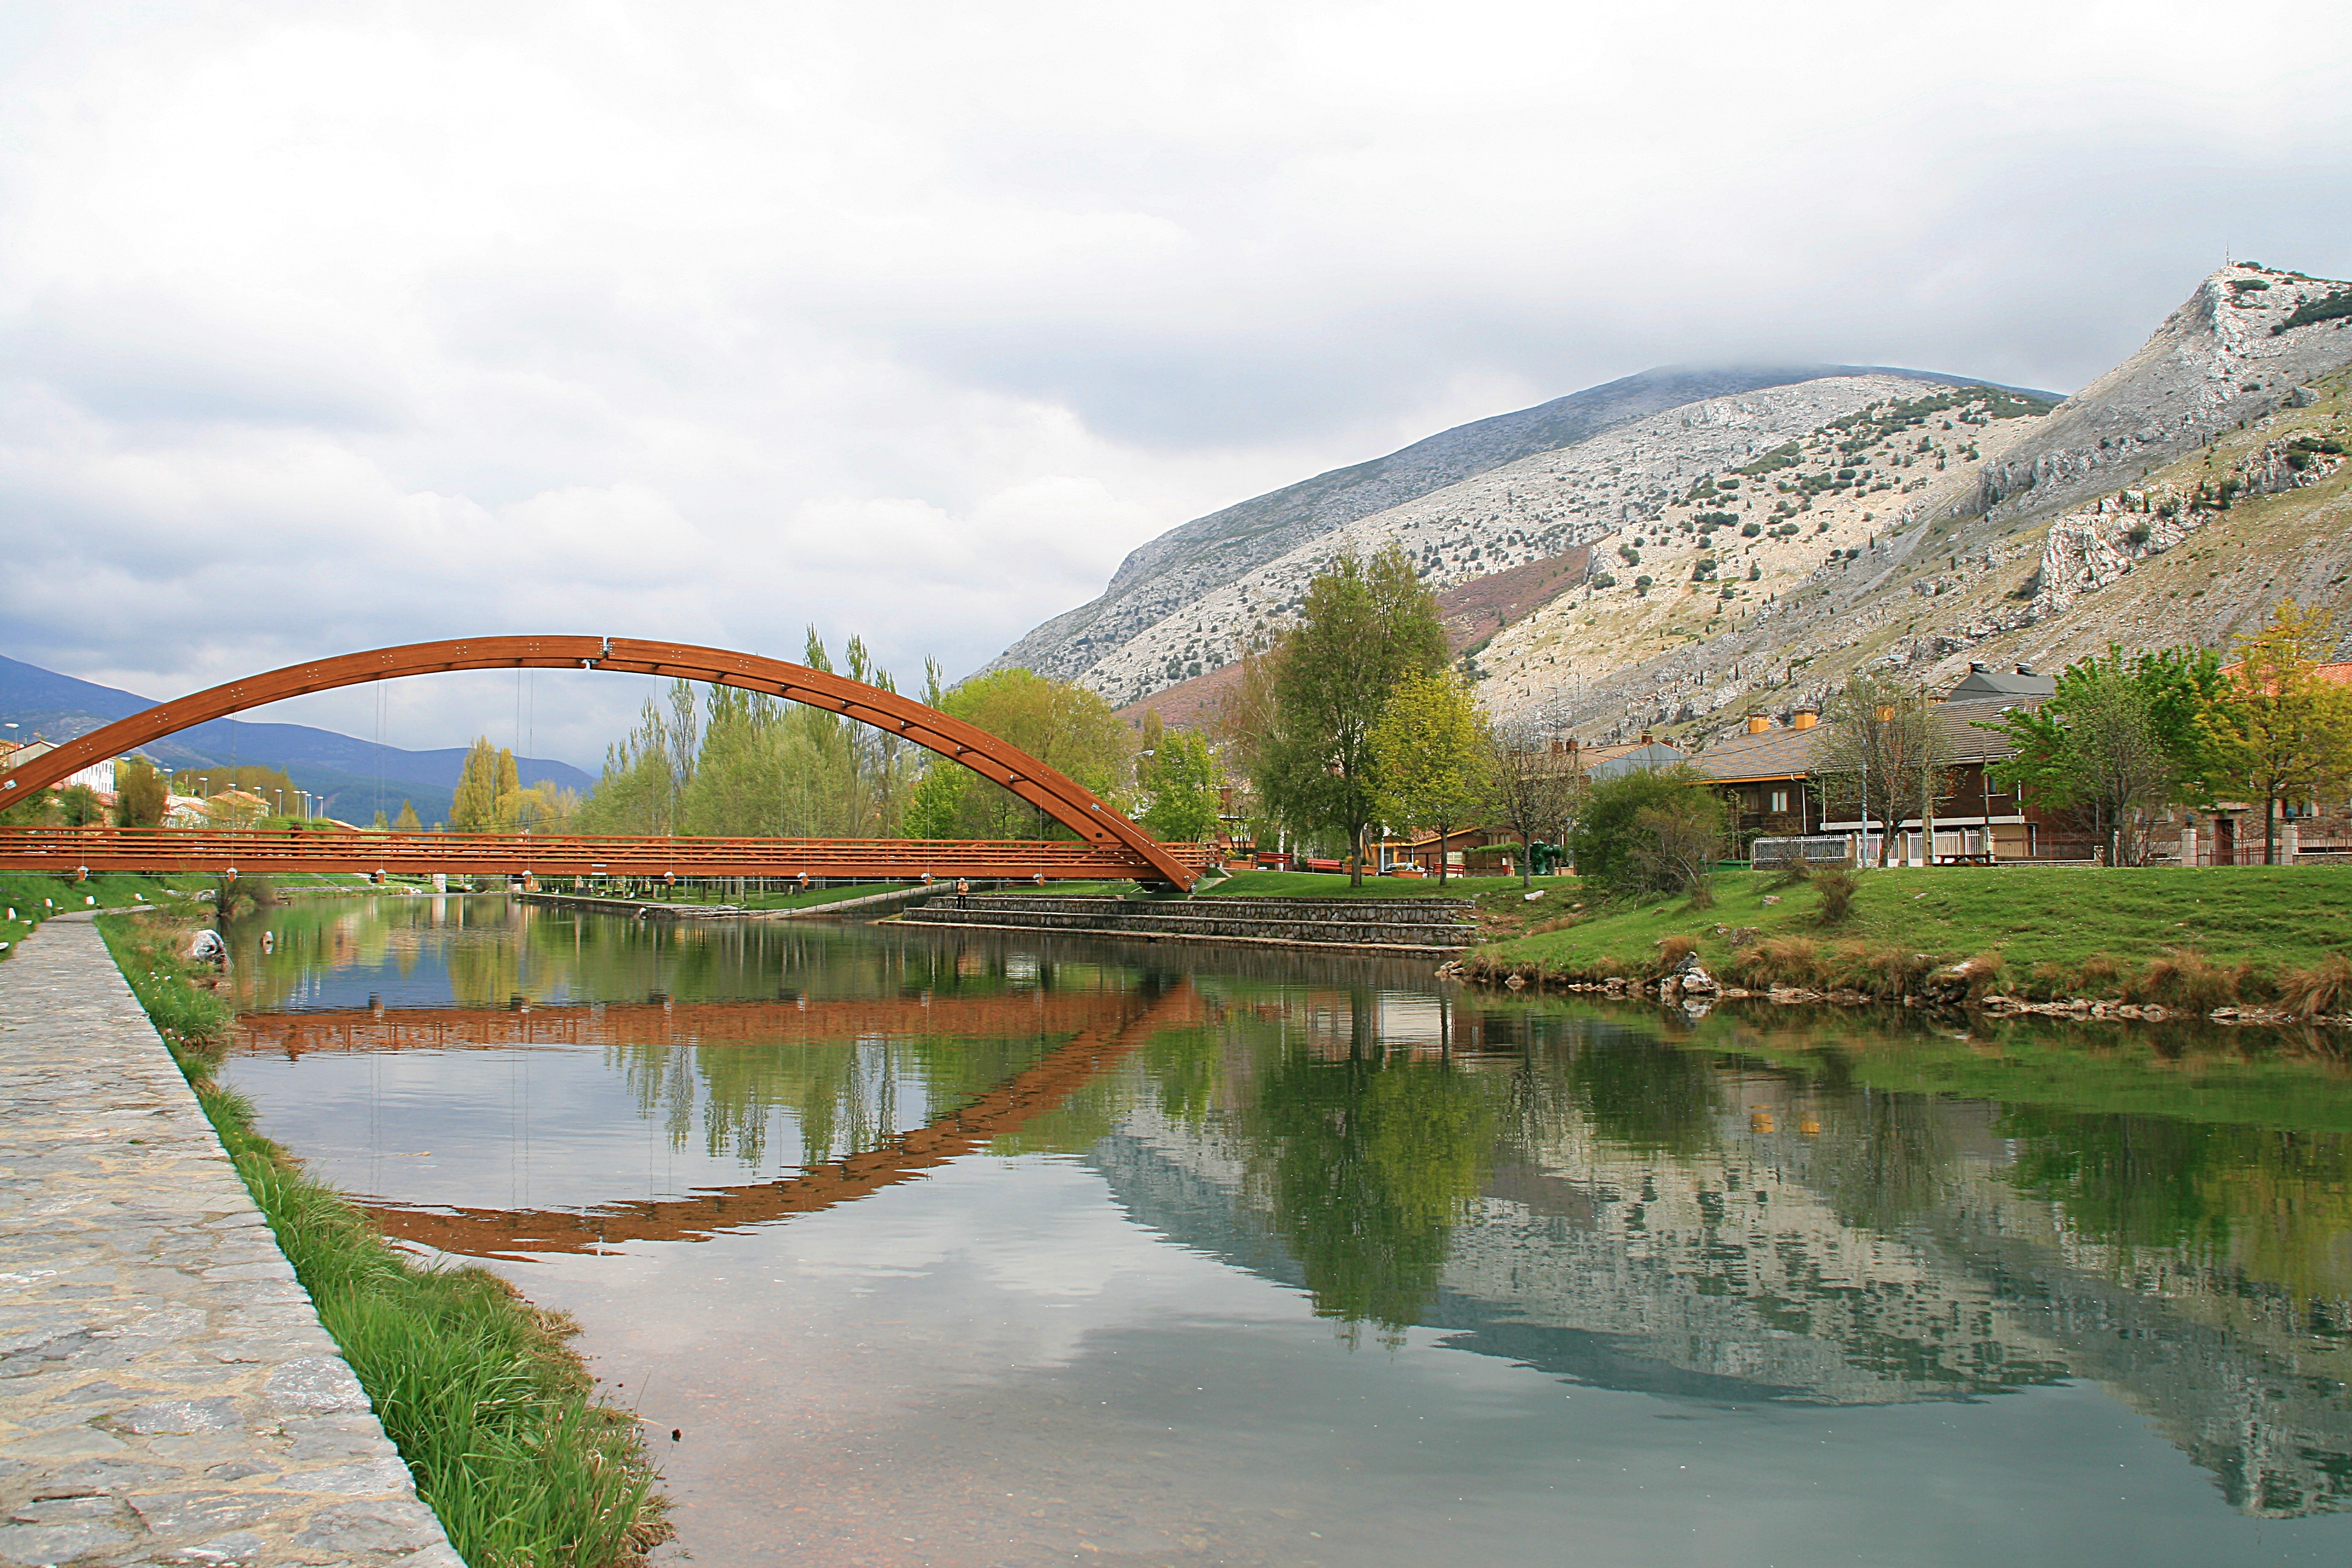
1107 844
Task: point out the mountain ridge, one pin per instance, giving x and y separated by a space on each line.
1210 551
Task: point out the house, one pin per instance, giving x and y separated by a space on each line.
1767 778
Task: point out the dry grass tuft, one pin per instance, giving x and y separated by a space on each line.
1781 961
2187 979
2324 988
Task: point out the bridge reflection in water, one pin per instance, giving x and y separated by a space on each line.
1103 1026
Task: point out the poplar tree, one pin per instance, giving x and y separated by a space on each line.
1366 627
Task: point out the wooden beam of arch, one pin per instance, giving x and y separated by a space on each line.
1063 798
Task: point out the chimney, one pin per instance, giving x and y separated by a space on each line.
1979 667
1646 737
1804 717
1758 723
2025 669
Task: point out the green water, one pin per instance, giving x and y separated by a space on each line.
1206 1257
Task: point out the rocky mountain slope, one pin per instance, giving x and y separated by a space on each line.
1620 482
1750 548
1175 571
2177 498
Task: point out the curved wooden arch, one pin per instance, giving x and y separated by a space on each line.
1052 792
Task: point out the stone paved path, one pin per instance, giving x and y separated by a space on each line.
167 1395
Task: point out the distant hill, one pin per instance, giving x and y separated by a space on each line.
344 772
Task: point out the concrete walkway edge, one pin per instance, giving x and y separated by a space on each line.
167 1394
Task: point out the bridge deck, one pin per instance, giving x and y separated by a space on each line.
72 851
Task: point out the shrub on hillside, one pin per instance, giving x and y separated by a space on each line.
1837 886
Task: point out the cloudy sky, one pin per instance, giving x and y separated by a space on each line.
323 327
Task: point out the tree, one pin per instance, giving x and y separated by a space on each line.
80 807
406 821
486 785
2118 736
1533 787
1179 778
141 795
2278 732
1656 830
1883 754
1365 628
1433 755
1065 726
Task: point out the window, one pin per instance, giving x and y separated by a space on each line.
1780 800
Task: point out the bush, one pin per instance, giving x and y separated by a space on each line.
1648 831
1837 888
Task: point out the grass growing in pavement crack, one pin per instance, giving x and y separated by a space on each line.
495 1415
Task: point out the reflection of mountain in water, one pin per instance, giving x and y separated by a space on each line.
1768 1267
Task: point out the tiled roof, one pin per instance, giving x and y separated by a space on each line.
1790 754
1768 754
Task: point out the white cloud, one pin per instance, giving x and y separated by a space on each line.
326 325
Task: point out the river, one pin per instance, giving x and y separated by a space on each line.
982 1248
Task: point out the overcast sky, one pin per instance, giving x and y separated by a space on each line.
333 326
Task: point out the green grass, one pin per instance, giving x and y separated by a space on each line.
493 1415
35 899
2247 931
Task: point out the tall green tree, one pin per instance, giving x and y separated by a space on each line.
406 822
2280 734
141 794
1178 777
2119 737
1364 628
486 788
1067 727
1432 753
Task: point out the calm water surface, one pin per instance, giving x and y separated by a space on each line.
941 1249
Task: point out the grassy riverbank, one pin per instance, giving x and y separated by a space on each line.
2179 936
496 1416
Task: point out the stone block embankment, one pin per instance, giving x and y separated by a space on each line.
167 1394
1406 927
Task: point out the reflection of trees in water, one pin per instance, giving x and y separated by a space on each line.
1367 1163
842 1095
2271 1205
1894 1160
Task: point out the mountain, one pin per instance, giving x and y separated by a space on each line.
1175 571
1668 553
2176 499
350 776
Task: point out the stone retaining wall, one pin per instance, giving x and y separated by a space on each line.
167 1394
1441 927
